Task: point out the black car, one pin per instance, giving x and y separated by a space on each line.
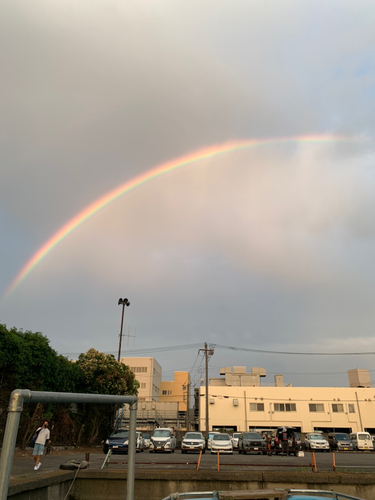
118 441
286 441
251 441
340 441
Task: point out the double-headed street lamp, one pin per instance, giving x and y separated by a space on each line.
124 303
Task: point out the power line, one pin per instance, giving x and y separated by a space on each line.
231 348
145 351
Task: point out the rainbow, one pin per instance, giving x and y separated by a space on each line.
155 172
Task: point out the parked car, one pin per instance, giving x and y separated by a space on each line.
276 494
314 441
293 494
251 441
221 443
163 440
146 439
235 438
209 440
361 441
193 441
340 441
118 442
286 440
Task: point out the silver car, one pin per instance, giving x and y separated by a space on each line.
221 443
315 441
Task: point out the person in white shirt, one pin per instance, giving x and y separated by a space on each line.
40 442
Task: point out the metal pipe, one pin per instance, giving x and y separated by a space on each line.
9 443
359 411
131 451
21 396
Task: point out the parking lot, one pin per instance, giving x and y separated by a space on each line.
345 462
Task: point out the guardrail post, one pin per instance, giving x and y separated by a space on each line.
333 461
131 451
313 462
9 442
218 460
199 460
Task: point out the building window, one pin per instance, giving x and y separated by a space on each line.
256 406
284 406
143 385
164 393
314 407
139 369
351 408
141 399
337 408
184 387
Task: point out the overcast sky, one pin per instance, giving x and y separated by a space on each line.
268 248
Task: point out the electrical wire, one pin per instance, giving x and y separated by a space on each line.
289 353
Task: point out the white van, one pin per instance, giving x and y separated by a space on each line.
361 441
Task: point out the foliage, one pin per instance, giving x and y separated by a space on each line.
102 374
27 361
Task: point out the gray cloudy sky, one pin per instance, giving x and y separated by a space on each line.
269 248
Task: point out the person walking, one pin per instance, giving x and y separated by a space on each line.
43 437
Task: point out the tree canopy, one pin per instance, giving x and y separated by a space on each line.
27 361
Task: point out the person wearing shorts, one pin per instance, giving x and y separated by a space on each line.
40 442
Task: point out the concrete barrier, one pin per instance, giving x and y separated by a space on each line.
157 484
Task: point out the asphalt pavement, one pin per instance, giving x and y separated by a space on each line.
23 465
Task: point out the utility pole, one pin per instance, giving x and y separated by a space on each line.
207 353
187 406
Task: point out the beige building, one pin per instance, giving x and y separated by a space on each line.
240 408
177 390
147 372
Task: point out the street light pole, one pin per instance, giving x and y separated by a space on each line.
124 303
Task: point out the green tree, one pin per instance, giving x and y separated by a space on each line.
102 374
28 362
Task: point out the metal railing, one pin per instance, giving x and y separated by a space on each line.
21 396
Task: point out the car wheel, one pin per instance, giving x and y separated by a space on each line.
203 451
105 450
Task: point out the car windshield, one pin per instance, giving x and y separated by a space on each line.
342 437
193 435
146 436
236 435
364 436
317 437
221 437
162 433
252 435
120 434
